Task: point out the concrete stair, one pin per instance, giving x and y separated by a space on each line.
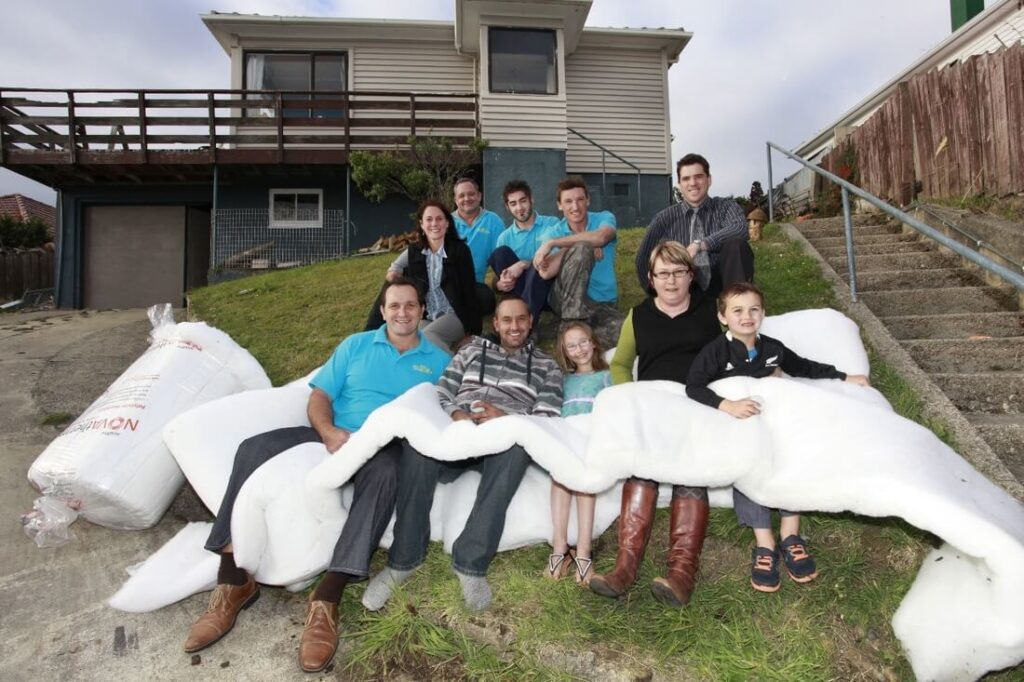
966 335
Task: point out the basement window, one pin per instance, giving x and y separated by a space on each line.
522 61
291 208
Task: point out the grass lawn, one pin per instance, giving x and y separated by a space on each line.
836 628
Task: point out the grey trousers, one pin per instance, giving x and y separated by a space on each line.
568 295
376 484
751 514
444 332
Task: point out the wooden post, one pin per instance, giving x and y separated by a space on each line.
72 143
143 145
347 112
213 128
412 112
3 128
280 128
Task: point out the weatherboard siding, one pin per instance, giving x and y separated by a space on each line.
523 121
410 66
618 98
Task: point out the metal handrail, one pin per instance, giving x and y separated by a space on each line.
979 243
604 183
989 265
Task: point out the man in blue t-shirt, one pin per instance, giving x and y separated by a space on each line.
512 260
578 253
366 371
479 228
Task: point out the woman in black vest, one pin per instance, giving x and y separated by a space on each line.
442 267
664 333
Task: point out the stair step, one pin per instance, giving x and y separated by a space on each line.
987 355
955 326
946 300
915 279
818 232
986 392
862 240
894 261
1004 433
876 249
836 222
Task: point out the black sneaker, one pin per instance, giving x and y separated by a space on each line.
764 570
799 564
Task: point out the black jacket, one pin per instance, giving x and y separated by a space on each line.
727 357
458 280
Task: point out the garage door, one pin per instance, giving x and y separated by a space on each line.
133 256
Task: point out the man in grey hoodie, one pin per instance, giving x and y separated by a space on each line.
484 381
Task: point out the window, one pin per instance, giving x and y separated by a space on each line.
620 189
522 61
296 71
296 208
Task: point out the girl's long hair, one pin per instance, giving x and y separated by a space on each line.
562 355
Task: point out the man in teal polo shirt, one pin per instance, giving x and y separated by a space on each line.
512 260
479 228
578 252
366 371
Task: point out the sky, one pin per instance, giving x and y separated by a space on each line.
755 70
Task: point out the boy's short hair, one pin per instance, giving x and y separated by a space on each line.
670 252
516 186
738 289
572 182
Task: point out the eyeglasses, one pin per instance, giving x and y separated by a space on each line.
664 275
582 345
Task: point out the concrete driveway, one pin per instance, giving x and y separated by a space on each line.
55 622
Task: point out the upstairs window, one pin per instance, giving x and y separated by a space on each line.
522 61
317 72
296 208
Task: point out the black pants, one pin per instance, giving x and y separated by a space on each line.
735 264
376 484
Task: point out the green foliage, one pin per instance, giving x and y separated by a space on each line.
426 170
842 162
17 234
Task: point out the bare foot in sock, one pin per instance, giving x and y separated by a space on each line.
475 591
379 589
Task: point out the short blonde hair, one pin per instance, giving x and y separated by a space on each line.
562 355
670 252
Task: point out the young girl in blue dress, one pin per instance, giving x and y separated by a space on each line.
586 373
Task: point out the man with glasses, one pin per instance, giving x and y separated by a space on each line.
713 229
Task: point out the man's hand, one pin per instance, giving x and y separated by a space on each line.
484 411
693 249
541 255
507 279
461 415
598 253
392 275
334 438
858 379
741 409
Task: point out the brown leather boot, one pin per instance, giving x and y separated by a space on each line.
688 525
638 502
319 636
225 604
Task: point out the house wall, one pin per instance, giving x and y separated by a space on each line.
541 168
619 99
617 192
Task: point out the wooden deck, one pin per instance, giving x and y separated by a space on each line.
62 137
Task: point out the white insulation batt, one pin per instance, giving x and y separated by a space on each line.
111 464
816 446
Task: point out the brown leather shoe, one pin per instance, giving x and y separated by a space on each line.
638 502
319 636
225 604
687 526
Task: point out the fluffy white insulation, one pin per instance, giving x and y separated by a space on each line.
817 446
111 464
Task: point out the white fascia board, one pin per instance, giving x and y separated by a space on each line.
671 41
938 56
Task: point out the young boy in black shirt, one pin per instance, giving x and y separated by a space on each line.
742 351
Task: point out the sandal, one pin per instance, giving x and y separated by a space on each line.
583 574
559 565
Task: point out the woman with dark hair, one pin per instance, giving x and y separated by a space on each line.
663 336
441 265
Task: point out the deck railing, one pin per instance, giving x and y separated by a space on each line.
219 126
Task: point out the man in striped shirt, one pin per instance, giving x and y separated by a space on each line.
484 381
713 228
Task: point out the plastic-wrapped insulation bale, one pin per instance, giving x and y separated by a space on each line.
111 463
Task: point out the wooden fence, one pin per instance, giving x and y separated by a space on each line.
22 270
958 131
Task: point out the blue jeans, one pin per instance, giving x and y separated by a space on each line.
374 499
476 546
530 285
